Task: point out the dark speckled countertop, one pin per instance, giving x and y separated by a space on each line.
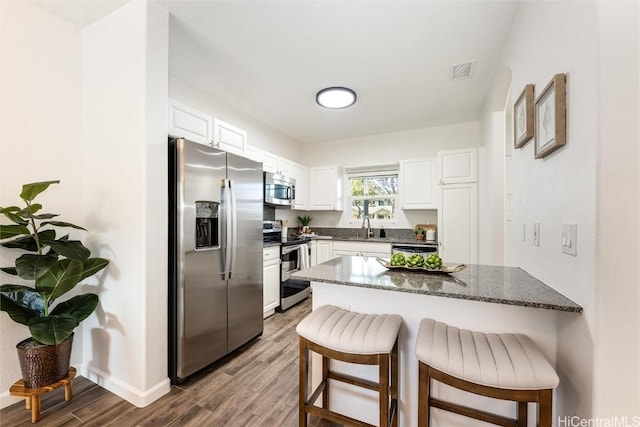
501 285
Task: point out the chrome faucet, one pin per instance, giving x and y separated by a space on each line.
369 231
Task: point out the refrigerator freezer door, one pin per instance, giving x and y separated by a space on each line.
245 285
201 290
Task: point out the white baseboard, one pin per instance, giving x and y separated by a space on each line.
131 394
8 400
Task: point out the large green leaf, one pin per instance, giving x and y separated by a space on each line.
21 302
59 279
28 243
92 266
31 209
32 266
72 249
10 270
41 216
63 224
8 231
12 212
52 330
30 191
79 307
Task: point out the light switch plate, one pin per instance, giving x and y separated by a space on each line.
536 233
569 239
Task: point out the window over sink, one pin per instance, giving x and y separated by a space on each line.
373 194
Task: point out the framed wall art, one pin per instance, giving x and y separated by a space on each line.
523 117
550 117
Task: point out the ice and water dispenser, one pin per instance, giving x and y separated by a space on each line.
207 224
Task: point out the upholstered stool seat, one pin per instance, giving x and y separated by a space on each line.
501 366
370 339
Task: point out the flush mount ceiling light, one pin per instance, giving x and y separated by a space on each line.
336 97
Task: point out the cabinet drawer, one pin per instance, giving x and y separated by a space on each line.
362 247
272 252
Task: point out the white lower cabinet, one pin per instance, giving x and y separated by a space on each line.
458 223
373 249
324 251
270 279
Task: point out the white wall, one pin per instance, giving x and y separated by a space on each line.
574 185
40 88
384 149
125 97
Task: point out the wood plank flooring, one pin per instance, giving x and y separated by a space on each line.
255 386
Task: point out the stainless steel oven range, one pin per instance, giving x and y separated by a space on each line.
292 259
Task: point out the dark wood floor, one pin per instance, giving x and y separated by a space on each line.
255 386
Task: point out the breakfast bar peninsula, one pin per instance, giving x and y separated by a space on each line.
479 298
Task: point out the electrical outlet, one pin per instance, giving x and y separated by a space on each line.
569 239
536 233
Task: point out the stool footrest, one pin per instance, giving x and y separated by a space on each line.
336 417
473 413
371 385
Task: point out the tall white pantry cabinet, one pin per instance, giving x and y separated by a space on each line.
458 206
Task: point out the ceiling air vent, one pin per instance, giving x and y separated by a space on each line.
462 71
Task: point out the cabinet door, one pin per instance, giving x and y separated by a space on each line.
283 166
269 162
458 166
458 223
325 188
189 123
418 179
299 173
324 251
253 153
228 137
271 286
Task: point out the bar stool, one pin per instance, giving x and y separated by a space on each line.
500 366
369 339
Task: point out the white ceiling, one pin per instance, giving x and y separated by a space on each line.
268 58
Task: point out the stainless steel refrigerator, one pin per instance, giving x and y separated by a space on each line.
215 255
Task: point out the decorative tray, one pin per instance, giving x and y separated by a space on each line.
447 269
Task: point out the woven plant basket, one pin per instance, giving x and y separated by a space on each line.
43 365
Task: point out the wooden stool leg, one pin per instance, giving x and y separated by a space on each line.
383 381
522 414
35 409
27 402
68 391
394 383
545 404
325 379
423 395
302 388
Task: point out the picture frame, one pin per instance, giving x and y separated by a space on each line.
523 117
550 117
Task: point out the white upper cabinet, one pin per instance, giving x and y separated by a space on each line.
228 137
418 184
458 166
283 166
269 162
189 123
253 153
299 173
325 188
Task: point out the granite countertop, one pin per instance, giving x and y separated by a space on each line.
501 285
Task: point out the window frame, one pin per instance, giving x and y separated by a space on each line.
372 174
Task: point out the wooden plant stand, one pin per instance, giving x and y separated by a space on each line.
32 395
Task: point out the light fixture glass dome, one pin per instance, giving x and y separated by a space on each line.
336 97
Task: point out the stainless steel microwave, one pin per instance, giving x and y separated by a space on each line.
279 190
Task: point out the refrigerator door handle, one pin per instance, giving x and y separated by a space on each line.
226 194
234 227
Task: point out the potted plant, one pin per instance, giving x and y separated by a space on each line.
304 221
420 233
54 265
